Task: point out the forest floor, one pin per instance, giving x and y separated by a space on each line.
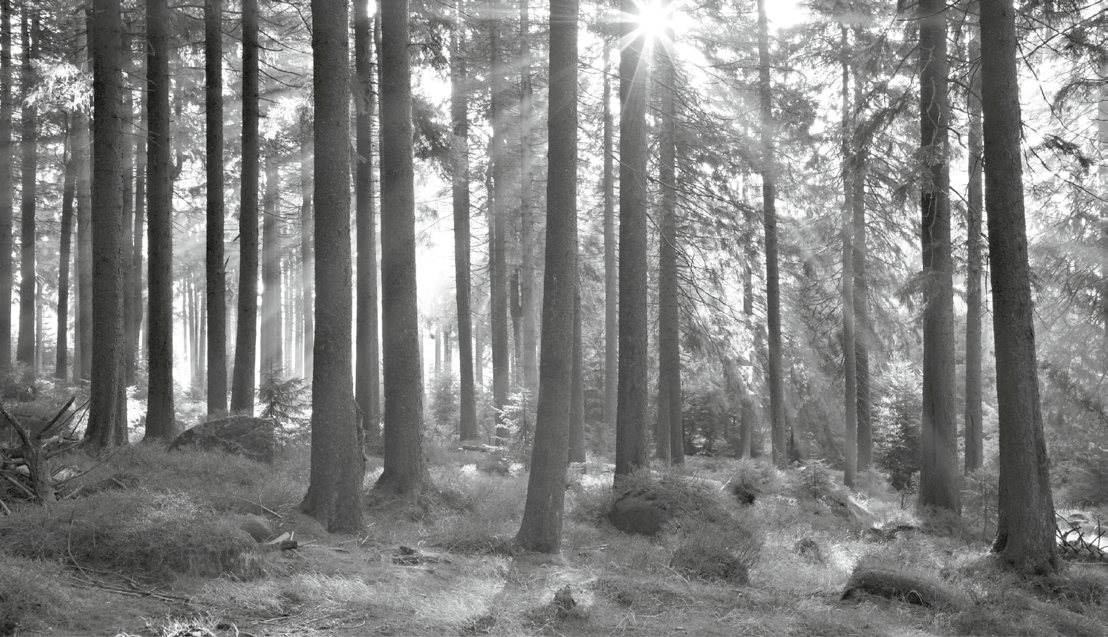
151 543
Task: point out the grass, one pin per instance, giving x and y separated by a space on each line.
170 522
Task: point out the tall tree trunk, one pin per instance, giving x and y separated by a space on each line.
215 270
128 246
526 210
25 345
405 471
6 197
459 114
272 362
369 358
307 252
939 477
1025 536
850 368
242 381
107 422
541 529
631 448
334 495
778 426
861 287
160 422
611 280
974 440
577 389
82 363
69 192
669 439
137 282
498 267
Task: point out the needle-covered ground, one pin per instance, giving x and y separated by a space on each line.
156 543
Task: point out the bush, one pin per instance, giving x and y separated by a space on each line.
717 551
979 503
753 479
285 402
896 426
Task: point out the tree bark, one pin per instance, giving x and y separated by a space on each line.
498 266
405 472
631 448
69 193
459 114
1025 527
778 426
25 344
669 439
215 270
160 421
974 440
526 210
6 197
82 363
369 363
541 529
242 381
861 287
338 466
107 423
611 279
577 390
939 476
850 367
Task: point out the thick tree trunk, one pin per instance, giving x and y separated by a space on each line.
778 426
861 291
25 344
631 447
69 193
338 466
160 421
459 114
850 368
611 280
541 529
272 355
974 439
107 422
246 332
6 197
215 270
939 476
1025 527
669 438
369 358
498 266
405 472
526 210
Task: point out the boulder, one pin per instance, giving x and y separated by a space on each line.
639 511
246 436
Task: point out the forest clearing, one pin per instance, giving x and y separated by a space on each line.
160 544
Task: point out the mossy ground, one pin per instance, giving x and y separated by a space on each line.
149 544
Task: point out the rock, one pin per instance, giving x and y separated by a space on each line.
246 436
639 511
912 588
257 527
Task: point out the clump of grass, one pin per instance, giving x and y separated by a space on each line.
560 615
676 493
752 479
134 531
717 552
30 598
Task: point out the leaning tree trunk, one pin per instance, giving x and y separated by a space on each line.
939 478
1025 526
541 529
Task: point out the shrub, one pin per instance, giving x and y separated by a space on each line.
753 479
285 402
717 551
896 426
979 503
444 406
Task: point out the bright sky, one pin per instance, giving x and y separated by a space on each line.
784 13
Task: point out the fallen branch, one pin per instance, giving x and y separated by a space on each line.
38 466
